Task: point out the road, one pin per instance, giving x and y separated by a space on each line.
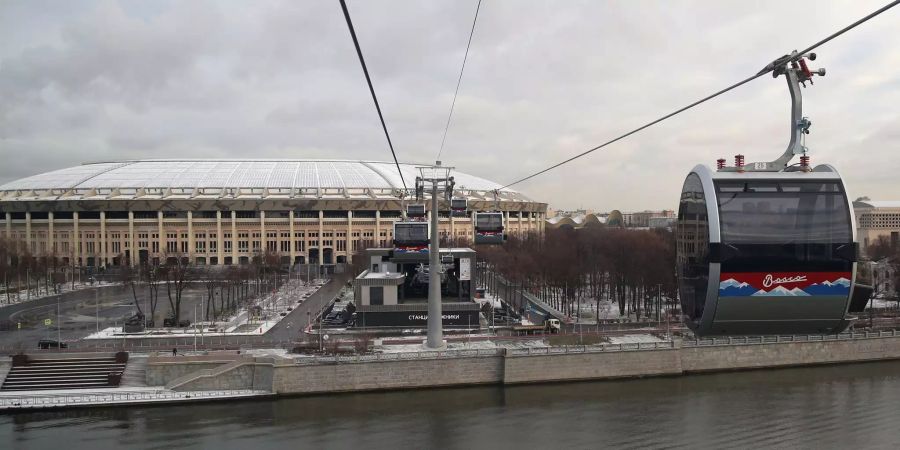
83 312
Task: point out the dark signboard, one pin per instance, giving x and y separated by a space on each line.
416 319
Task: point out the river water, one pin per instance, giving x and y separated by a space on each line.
849 406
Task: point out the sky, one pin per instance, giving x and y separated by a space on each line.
84 81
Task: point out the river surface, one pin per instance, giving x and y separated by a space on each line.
849 406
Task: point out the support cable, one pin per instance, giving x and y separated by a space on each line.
769 68
362 62
458 81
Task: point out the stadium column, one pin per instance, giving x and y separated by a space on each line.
190 249
28 232
132 252
452 230
162 236
8 225
291 238
262 232
103 239
472 228
76 239
321 234
220 252
234 239
348 247
50 249
376 241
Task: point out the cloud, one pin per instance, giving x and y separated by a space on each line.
105 80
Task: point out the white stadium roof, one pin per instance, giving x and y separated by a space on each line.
218 178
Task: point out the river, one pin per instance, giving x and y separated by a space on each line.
843 406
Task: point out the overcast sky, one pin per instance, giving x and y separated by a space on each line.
109 80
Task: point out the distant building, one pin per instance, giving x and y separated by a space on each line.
224 212
875 219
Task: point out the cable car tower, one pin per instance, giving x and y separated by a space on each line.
441 183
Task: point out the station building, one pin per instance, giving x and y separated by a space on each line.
223 212
393 290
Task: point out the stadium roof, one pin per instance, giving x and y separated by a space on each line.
227 178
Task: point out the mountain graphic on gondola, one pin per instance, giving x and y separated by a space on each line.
841 286
781 291
735 288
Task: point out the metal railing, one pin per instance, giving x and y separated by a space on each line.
400 356
749 340
603 348
32 400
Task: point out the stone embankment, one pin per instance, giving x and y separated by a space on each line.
315 375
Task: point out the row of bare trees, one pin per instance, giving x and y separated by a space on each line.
24 276
566 267
228 288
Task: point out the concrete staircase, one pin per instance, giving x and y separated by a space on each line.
64 372
135 372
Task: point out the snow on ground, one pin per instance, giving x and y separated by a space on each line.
466 345
634 339
489 298
274 305
884 304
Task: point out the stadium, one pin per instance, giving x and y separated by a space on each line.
223 212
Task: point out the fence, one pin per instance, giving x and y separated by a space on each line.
749 340
96 398
624 347
401 356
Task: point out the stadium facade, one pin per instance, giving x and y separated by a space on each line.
222 212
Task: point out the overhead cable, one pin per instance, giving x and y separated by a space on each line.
458 81
769 68
362 62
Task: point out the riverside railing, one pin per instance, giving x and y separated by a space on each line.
602 348
399 356
29 400
750 340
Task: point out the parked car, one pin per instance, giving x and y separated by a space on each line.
45 344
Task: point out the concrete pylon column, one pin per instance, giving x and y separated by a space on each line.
377 238
161 230
349 243
292 239
76 240
435 338
321 233
262 232
103 244
220 250
190 233
28 231
235 259
50 237
132 251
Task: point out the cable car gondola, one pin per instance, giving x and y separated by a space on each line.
459 207
489 228
768 248
411 237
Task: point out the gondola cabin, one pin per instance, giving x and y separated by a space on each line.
415 211
411 237
489 228
459 207
765 252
